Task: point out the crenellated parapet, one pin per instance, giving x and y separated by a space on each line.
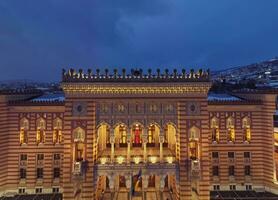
135 75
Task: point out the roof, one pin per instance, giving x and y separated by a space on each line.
222 97
50 97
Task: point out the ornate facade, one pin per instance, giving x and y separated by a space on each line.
125 136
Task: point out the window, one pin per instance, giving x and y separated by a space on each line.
232 187
55 190
22 173
215 154
231 170
24 127
40 131
23 157
39 172
216 187
215 170
231 129
56 173
214 130
56 156
21 190
151 132
153 108
40 156
248 187
231 155
246 154
123 135
79 135
247 170
246 129
121 108
38 190
57 133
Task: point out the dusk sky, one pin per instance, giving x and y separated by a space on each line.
40 37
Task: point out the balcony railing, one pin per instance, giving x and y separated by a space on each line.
136 160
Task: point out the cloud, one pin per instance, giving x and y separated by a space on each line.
38 38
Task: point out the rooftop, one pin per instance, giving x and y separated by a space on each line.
135 75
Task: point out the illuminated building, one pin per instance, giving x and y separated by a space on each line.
148 135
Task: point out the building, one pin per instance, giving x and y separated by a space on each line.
126 136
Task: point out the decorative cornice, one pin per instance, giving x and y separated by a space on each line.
136 75
120 89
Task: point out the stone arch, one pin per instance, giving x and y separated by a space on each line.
41 123
24 123
153 133
214 122
103 135
137 132
121 134
194 133
170 136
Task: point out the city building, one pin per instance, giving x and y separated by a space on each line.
119 135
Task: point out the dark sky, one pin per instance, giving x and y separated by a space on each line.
40 37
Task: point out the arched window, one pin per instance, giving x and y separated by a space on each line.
57 132
246 129
79 138
24 127
151 132
78 135
40 131
194 134
230 125
123 136
215 130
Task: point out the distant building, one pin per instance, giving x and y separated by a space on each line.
155 136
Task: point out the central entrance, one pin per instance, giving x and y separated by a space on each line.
137 135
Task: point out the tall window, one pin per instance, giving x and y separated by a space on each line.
151 132
24 127
246 129
247 170
22 173
56 172
215 130
193 143
79 138
231 170
57 132
39 172
215 170
230 129
40 131
122 130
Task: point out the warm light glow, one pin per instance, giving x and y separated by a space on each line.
170 159
153 159
103 160
120 159
137 160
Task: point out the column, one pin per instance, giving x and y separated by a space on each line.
128 185
145 140
161 141
112 141
112 185
145 183
162 185
128 147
